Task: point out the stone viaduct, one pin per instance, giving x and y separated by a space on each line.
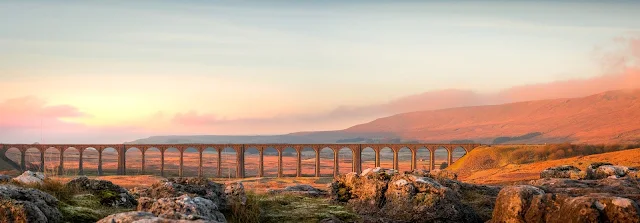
240 149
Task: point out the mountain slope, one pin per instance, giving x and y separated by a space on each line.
608 117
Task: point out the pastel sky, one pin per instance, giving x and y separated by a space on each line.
114 71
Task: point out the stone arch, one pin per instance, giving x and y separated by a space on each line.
368 158
345 160
386 157
326 161
210 162
152 161
133 160
289 161
71 158
270 161
441 155
14 154
423 158
171 162
308 161
457 153
51 161
251 161
404 159
109 161
229 162
33 159
190 162
90 161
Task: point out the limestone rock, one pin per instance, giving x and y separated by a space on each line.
194 187
513 202
235 193
30 205
597 171
183 207
143 217
29 177
564 171
5 178
108 193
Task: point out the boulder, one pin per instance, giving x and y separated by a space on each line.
597 171
19 204
5 178
29 177
564 171
513 202
146 217
300 189
194 187
183 208
108 193
235 193
390 196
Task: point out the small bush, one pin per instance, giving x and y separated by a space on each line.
54 188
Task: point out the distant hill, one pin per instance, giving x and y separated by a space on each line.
610 117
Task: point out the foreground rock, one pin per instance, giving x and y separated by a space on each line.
597 171
29 177
194 187
235 193
108 193
385 194
182 208
5 178
565 171
139 216
19 204
300 189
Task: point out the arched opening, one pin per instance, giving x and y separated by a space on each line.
51 161
441 155
404 159
190 162
345 159
251 162
229 163
14 155
90 161
270 162
423 158
308 156
386 158
152 161
32 159
458 153
133 161
71 161
109 161
289 162
368 158
326 161
210 162
171 162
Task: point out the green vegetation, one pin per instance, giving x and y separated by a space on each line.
287 208
444 165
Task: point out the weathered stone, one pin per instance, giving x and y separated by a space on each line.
143 217
513 202
564 171
5 178
235 193
29 177
30 205
598 171
183 207
194 187
108 193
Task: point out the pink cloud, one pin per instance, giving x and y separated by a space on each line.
192 118
29 112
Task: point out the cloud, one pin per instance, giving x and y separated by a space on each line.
192 118
30 111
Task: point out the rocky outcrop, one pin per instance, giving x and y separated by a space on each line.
235 193
19 204
108 193
564 171
140 216
597 171
194 187
299 189
183 207
385 194
29 177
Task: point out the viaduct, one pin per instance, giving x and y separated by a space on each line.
240 149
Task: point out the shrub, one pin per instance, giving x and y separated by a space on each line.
249 212
53 187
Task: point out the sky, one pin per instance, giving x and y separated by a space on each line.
115 71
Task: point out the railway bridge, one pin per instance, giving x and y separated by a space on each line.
240 149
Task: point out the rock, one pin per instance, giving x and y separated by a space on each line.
142 217
5 178
300 189
27 205
108 193
606 170
194 187
513 202
443 174
564 171
387 195
183 207
235 193
332 219
29 177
